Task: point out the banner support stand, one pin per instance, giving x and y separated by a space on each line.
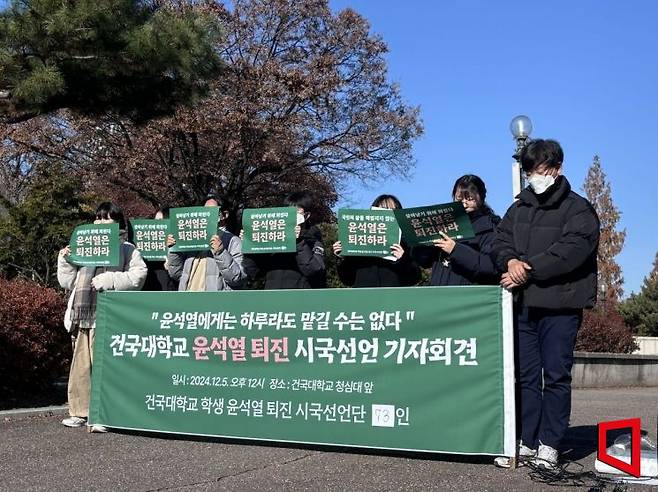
507 304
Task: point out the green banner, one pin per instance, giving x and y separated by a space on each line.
269 230
150 237
193 227
367 232
425 369
422 225
95 245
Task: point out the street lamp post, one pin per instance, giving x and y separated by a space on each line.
521 128
604 298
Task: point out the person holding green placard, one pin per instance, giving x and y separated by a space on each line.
158 278
217 268
303 269
466 261
367 271
80 318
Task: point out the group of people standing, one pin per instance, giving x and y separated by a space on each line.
544 250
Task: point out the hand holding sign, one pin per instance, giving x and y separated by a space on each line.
216 245
398 251
445 243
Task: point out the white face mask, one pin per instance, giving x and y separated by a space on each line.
300 218
540 183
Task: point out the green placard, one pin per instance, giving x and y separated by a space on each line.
269 230
193 227
425 369
421 225
150 237
367 232
95 245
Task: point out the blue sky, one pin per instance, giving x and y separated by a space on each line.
585 72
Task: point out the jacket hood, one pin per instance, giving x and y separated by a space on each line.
483 222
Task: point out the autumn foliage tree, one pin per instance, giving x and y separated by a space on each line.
303 101
603 328
30 148
598 191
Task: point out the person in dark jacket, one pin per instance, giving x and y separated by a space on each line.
364 271
547 245
157 278
303 269
465 261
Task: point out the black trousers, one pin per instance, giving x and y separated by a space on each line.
545 341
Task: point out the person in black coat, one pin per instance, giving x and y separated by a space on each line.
157 278
303 269
465 261
364 271
547 246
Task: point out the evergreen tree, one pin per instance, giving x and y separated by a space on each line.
33 231
640 311
134 57
597 189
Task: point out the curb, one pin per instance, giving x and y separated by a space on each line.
26 412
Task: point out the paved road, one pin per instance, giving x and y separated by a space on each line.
37 453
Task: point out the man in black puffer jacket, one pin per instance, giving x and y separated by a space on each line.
547 245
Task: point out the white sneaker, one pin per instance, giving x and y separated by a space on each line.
546 458
99 429
74 421
524 453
